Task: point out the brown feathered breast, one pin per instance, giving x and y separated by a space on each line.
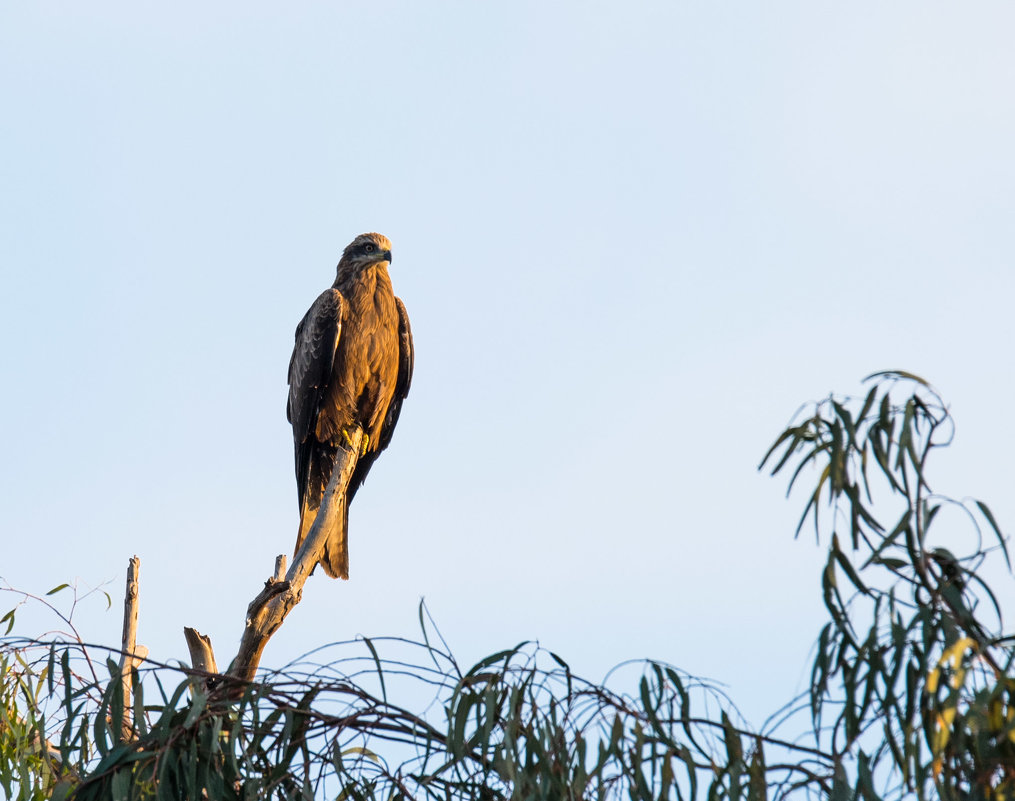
363 375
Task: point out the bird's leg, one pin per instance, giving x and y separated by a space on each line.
365 443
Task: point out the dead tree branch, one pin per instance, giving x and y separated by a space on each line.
284 589
202 657
131 654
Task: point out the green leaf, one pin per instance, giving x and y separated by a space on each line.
867 405
847 566
456 743
61 791
380 670
888 561
197 704
894 374
789 432
51 667
57 589
140 723
997 530
734 755
500 656
840 784
99 728
120 786
567 669
758 786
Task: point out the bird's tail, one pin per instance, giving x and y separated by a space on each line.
335 559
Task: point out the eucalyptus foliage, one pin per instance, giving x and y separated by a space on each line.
912 687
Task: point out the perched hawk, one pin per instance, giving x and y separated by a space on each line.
351 366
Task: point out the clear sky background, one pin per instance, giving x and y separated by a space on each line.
633 237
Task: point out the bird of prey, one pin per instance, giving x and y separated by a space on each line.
351 366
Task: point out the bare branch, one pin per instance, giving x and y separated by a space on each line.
202 657
131 655
267 611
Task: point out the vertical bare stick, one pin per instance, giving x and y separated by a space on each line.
202 657
129 643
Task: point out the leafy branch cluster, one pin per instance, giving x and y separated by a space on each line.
518 724
912 680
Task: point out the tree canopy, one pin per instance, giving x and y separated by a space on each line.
912 689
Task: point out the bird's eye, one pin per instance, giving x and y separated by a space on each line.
369 248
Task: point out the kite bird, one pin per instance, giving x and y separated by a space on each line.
351 366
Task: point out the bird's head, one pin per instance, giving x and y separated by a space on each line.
364 250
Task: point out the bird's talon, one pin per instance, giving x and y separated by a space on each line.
365 442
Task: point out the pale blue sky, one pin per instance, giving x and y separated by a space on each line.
632 238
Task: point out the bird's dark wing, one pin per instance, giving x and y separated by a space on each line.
404 381
309 373
406 356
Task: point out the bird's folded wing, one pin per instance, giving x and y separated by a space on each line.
310 366
404 380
